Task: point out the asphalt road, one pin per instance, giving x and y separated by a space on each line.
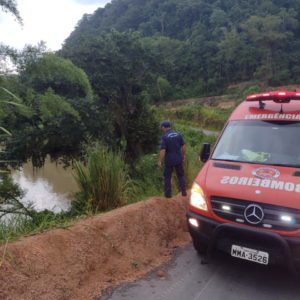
225 278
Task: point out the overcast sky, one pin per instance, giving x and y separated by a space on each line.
49 20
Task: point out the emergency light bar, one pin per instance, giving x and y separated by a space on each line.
278 96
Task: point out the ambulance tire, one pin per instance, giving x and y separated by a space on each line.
200 246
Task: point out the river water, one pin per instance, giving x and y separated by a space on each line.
50 187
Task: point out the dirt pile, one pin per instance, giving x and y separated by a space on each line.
80 261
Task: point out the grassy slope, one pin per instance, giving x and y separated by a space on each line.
212 112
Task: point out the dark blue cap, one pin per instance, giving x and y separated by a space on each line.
165 124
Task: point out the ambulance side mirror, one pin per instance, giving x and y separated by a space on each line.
205 152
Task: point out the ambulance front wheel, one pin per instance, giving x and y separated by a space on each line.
200 245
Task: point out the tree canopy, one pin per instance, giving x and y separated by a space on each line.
58 100
11 7
204 45
132 53
120 70
59 74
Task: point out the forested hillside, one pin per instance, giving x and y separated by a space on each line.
201 46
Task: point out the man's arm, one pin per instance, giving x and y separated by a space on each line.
162 154
183 151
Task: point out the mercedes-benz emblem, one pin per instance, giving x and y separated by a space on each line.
254 214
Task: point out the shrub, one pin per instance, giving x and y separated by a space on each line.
192 166
103 182
17 225
148 177
196 115
250 90
164 89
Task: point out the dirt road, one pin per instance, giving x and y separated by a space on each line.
206 131
223 279
77 262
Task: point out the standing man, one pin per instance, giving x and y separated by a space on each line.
172 155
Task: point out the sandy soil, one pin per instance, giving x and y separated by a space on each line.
82 260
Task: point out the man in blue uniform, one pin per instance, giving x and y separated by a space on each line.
172 156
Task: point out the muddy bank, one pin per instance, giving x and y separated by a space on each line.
80 261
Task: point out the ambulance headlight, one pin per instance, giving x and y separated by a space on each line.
287 219
197 199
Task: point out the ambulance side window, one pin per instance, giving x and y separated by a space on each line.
229 146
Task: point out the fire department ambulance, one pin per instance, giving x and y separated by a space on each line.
246 199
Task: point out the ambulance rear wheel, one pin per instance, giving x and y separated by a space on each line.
200 246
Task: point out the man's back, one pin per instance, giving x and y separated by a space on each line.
172 142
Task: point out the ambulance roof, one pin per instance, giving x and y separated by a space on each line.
276 106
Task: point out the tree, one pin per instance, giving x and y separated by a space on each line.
11 7
164 89
57 73
270 33
218 18
30 54
7 56
120 69
56 92
210 41
6 52
238 59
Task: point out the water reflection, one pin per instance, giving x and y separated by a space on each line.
50 187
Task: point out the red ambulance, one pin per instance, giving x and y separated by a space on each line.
246 199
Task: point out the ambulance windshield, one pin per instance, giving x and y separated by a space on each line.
263 142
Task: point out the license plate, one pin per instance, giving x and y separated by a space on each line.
257 256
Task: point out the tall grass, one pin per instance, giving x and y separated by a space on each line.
103 182
194 140
196 115
19 225
147 178
192 166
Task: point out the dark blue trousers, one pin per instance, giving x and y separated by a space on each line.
168 170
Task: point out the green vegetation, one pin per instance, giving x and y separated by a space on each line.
101 88
107 103
201 47
196 115
119 69
11 7
55 92
148 178
18 219
61 75
104 181
20 226
194 138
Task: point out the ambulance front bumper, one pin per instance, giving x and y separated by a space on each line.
282 250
